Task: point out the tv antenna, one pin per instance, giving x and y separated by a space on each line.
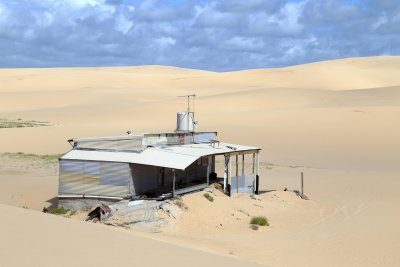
188 107
188 101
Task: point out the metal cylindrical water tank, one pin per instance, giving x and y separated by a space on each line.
185 122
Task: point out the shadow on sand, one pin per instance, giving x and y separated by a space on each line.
53 203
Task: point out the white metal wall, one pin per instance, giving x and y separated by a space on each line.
94 178
242 184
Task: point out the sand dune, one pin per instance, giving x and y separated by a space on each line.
29 238
331 106
337 121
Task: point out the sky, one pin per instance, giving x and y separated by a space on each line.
211 35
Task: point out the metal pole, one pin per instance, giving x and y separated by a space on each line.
208 169
163 176
225 171
229 172
173 182
193 111
243 165
258 163
188 111
258 172
188 115
237 165
254 162
213 164
237 173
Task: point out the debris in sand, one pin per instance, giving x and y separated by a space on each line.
209 189
305 197
146 215
171 209
297 192
255 197
217 186
135 202
99 212
208 197
180 204
244 212
254 227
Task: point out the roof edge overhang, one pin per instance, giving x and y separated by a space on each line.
174 157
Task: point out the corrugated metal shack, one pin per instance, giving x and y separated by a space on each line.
109 169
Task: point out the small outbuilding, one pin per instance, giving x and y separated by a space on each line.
157 165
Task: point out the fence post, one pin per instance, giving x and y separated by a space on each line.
302 185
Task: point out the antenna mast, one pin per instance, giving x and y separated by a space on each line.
188 100
188 107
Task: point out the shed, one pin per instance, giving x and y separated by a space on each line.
155 165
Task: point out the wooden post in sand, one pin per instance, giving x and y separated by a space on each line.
302 185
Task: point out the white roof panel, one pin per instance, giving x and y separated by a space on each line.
175 157
204 149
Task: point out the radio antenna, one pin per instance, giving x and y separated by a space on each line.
188 107
188 100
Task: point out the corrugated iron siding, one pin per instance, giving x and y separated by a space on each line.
94 178
139 143
132 144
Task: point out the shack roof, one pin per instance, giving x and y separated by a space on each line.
171 156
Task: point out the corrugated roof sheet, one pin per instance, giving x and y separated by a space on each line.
175 157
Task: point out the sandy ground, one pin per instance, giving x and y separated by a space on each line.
337 121
30 238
